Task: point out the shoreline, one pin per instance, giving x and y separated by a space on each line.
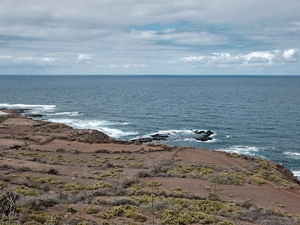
35 117
35 148
141 140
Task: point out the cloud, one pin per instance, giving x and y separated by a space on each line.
266 58
131 12
134 65
132 36
291 55
84 57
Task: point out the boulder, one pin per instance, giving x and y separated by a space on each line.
153 137
205 135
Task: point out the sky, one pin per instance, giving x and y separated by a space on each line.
195 37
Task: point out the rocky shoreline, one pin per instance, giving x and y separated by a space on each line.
86 177
203 136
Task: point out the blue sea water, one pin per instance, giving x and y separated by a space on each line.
251 115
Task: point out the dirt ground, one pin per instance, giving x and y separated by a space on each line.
263 192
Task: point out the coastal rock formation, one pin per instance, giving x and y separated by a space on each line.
287 174
89 136
35 115
153 137
202 135
205 135
43 132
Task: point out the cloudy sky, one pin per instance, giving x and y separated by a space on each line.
150 37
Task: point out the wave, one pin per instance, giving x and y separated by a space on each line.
28 106
66 113
101 125
194 140
65 117
294 155
296 173
117 133
242 150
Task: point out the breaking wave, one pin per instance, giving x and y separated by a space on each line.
296 173
293 155
101 125
53 114
242 150
67 113
31 108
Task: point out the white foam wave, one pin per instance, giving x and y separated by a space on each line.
67 113
296 173
173 132
101 125
190 139
294 155
82 124
208 141
243 150
116 132
28 106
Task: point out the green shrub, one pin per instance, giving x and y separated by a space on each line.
258 180
131 157
99 185
124 210
105 216
74 187
70 209
91 210
154 183
26 191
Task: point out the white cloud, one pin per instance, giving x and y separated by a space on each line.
259 57
127 35
120 12
133 65
291 55
266 58
27 61
84 57
47 59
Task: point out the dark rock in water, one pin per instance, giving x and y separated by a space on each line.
209 132
159 135
204 138
205 135
199 131
153 137
35 115
143 140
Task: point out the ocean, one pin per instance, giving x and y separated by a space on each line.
257 116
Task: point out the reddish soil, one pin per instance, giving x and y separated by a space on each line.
76 155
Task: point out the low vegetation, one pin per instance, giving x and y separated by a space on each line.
80 187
